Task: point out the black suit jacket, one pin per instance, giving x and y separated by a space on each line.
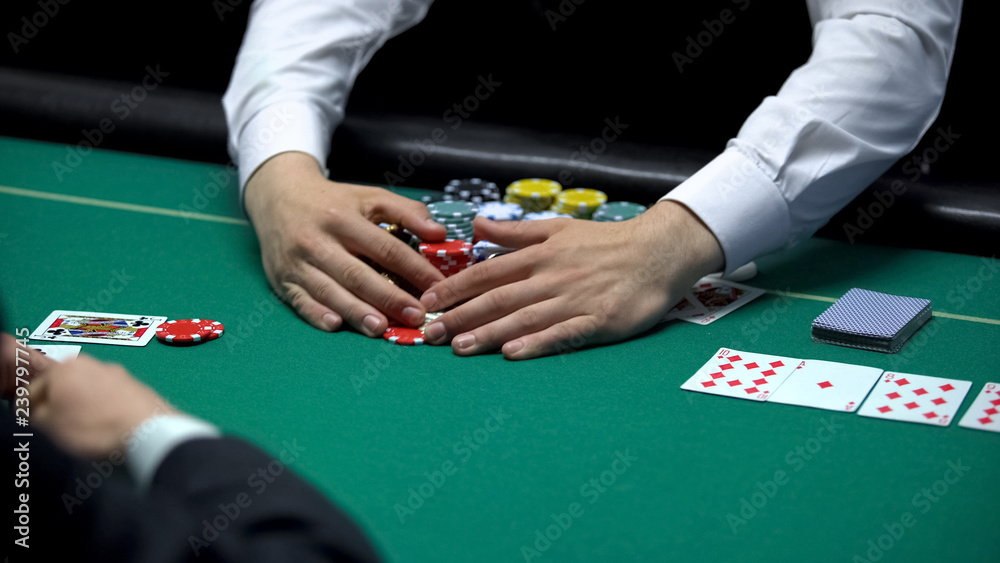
202 505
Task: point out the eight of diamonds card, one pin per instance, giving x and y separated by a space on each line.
827 385
85 327
745 375
984 414
916 398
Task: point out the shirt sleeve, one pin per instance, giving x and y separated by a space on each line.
156 437
297 64
870 90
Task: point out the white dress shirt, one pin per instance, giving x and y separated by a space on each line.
870 90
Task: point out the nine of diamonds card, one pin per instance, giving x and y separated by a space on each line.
745 375
984 414
915 398
87 327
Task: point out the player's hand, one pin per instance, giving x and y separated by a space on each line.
33 362
312 233
90 408
572 283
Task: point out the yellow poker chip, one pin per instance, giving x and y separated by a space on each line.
580 202
534 188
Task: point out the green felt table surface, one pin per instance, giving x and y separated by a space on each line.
698 477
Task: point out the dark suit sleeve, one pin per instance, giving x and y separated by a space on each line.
191 512
240 504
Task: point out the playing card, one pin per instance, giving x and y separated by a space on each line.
57 352
689 306
827 385
719 298
915 398
984 414
97 328
744 375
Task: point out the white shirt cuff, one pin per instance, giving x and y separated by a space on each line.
278 128
740 204
149 445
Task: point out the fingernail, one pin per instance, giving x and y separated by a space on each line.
371 324
434 333
465 341
413 316
429 300
514 347
330 320
432 223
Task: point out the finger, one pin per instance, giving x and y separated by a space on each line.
39 399
314 312
567 336
486 308
39 362
517 234
526 320
362 296
365 316
396 256
478 279
411 214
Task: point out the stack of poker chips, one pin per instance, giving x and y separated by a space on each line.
871 321
450 257
456 216
497 211
533 194
617 211
475 190
581 203
541 215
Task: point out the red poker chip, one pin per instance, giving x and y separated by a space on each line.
189 331
440 263
404 336
452 248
